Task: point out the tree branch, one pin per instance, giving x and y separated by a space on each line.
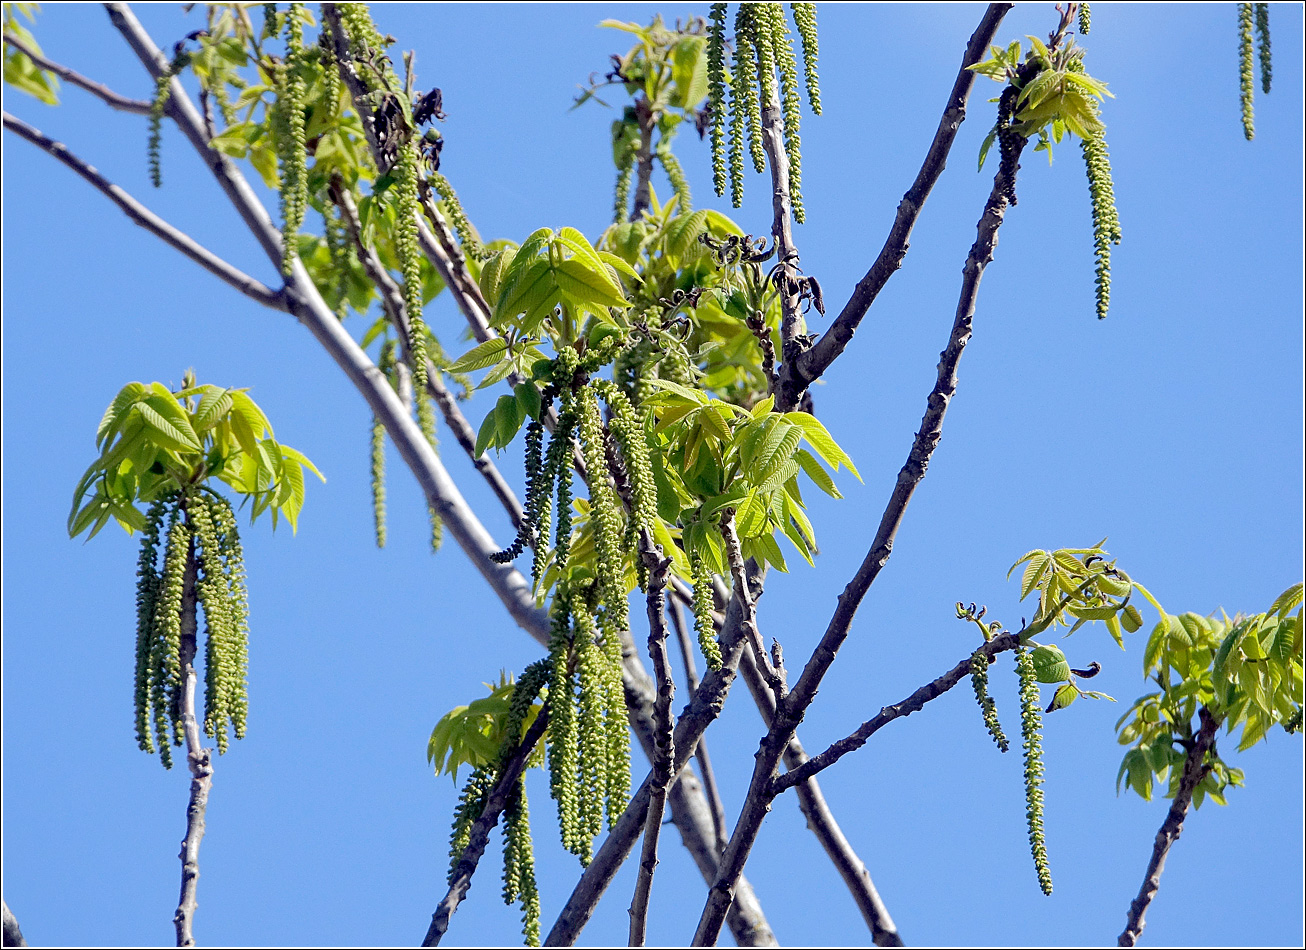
198 758
108 96
792 324
644 157
657 648
460 880
1195 770
800 372
913 703
13 934
790 711
147 219
821 822
700 752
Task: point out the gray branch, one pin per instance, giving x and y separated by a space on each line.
700 753
104 93
13 934
147 219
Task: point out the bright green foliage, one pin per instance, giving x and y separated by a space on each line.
20 72
1031 726
1244 671
1245 78
477 734
979 678
1263 44
160 447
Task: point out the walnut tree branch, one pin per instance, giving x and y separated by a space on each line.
13 934
1195 770
790 711
799 373
147 219
460 880
700 752
104 93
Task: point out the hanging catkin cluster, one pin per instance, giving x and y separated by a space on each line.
979 679
207 533
763 52
1245 78
1106 220
1085 19
1031 728
162 92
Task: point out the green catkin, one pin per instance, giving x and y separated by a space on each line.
616 729
805 21
1106 222
162 91
386 364
337 243
605 517
629 435
562 732
234 559
591 697
519 863
679 184
791 104
330 73
1263 44
534 678
621 193
1245 81
743 105
979 679
292 142
214 596
165 654
472 246
562 530
270 17
1085 19
703 624
763 35
471 803
147 595
716 86
1031 727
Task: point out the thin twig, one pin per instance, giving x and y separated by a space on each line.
887 714
198 758
148 220
798 373
674 608
735 559
460 880
662 720
104 93
13 934
1196 769
790 711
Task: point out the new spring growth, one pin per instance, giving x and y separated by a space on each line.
1031 728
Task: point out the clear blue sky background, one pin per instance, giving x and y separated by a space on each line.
1174 428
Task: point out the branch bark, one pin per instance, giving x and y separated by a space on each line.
147 219
460 881
799 373
99 90
790 711
700 753
1196 768
661 775
198 758
13 934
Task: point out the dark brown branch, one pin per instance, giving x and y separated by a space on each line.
148 220
104 93
461 878
198 758
13 934
662 722
821 822
700 753
644 157
792 324
791 709
913 703
798 373
1196 769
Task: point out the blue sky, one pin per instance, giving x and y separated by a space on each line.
1174 428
